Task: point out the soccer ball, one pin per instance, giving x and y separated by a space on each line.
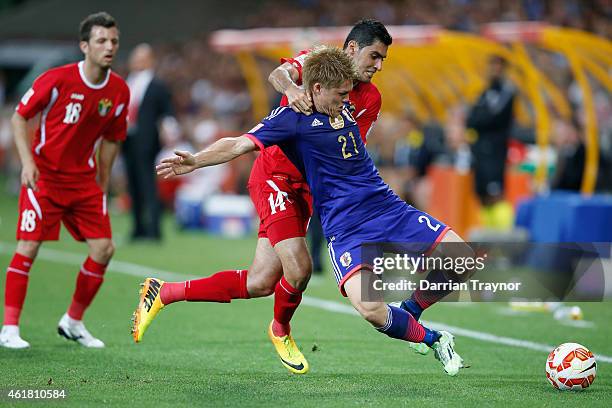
571 366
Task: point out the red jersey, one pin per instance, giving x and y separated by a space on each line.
76 114
364 97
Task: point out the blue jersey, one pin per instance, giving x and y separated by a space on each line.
347 189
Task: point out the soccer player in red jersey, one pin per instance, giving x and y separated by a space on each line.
281 196
367 45
83 111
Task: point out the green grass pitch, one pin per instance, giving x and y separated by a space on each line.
198 354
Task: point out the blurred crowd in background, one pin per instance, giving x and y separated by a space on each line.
460 15
210 98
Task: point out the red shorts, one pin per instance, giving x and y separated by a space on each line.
81 209
284 207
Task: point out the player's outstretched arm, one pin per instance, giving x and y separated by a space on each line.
29 171
283 79
223 150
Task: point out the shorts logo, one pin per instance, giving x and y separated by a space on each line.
104 106
346 260
28 221
337 123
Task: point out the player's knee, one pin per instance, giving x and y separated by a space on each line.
28 248
299 275
260 286
301 283
304 271
374 313
266 290
109 250
463 250
103 251
262 278
452 246
306 266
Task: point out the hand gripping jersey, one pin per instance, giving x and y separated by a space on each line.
366 102
75 115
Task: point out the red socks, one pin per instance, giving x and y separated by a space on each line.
172 292
89 280
227 285
17 275
286 300
221 287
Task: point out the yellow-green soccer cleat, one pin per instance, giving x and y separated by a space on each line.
419 348
289 353
149 306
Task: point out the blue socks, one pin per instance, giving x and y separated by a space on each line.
401 325
431 336
412 307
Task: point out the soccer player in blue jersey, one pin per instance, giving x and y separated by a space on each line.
354 203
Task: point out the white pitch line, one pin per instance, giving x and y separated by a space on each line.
491 338
128 268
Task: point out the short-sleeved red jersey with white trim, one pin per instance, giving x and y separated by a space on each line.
364 97
75 115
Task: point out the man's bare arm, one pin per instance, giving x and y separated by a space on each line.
223 150
107 154
283 79
29 171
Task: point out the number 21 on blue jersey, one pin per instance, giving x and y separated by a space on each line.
343 140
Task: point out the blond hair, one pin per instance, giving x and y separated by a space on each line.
329 66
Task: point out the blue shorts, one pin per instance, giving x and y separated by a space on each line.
409 229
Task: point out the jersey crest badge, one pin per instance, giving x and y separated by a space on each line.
104 106
337 123
346 260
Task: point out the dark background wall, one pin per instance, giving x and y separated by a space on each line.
150 20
